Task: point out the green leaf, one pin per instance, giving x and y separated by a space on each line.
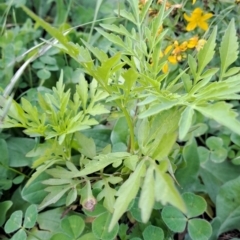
60 236
100 227
19 235
213 180
218 152
73 226
104 160
195 204
71 49
192 64
206 54
71 197
17 148
43 74
153 233
4 160
98 210
157 108
112 38
30 217
85 145
88 236
120 132
229 47
199 229
135 210
185 122
174 219
34 193
228 205
51 220
166 192
127 192
56 192
147 198
14 222
4 207
222 113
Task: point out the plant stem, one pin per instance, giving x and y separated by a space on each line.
131 148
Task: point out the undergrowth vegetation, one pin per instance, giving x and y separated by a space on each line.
120 124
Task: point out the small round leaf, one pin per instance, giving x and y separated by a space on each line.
153 233
4 206
30 216
88 236
19 235
174 219
43 74
60 236
100 227
14 222
73 226
199 229
195 204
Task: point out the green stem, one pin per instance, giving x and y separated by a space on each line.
131 129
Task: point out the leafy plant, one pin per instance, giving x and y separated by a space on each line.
114 142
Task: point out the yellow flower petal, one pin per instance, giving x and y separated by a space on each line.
207 16
172 59
192 42
193 2
203 25
187 17
165 68
191 26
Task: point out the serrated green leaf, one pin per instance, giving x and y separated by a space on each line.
166 192
56 192
199 229
112 38
192 64
30 216
229 47
126 193
174 219
104 160
185 122
206 54
82 90
71 49
157 108
232 71
127 15
221 112
147 198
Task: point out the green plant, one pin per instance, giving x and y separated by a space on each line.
133 174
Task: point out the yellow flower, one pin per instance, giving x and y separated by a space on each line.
200 44
192 42
197 19
193 2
